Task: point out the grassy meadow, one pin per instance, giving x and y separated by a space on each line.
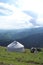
17 58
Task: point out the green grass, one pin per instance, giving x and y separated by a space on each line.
17 58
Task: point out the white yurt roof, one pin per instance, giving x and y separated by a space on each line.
15 44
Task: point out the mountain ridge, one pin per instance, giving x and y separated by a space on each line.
25 36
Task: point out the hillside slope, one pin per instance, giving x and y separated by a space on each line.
28 37
34 40
16 58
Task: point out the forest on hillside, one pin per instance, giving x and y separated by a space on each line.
28 37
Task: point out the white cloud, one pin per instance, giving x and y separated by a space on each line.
34 5
7 9
40 21
19 19
6 12
16 20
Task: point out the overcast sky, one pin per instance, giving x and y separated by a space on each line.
15 14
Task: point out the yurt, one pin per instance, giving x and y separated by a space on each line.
15 46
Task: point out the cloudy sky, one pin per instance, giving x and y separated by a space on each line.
16 14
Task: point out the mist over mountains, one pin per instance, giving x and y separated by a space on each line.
28 37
